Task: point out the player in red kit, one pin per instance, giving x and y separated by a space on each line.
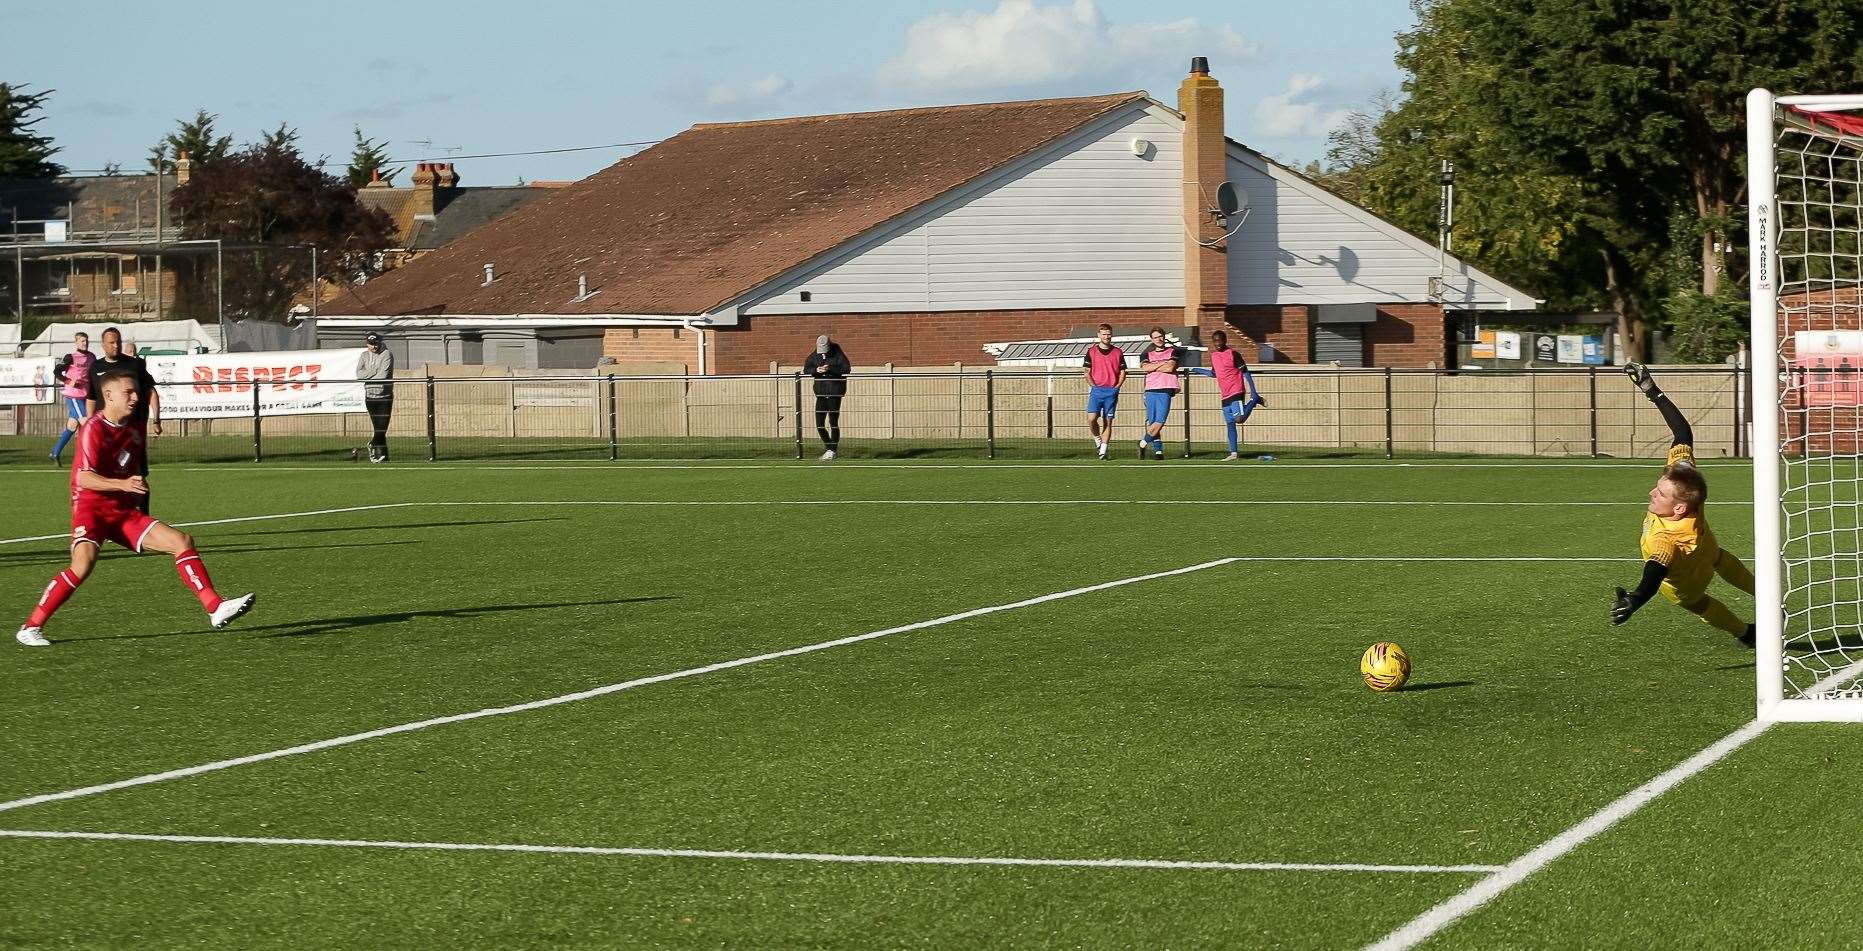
105 484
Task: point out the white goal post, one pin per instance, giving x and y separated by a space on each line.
1805 235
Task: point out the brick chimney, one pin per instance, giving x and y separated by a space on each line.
184 167
1206 167
421 202
447 179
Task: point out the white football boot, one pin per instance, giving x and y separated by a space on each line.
230 609
32 637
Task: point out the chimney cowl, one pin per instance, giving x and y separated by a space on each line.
1199 65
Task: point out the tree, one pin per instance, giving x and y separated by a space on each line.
24 153
367 159
1637 105
270 207
194 136
283 137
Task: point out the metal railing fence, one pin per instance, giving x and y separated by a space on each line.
1317 411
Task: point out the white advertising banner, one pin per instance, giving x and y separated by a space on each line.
32 380
290 383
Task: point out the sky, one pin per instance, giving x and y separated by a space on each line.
446 80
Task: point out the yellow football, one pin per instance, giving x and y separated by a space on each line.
1386 667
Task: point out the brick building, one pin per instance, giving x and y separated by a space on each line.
916 236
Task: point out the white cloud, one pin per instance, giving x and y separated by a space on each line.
1023 43
1301 111
735 100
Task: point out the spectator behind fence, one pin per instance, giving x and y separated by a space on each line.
74 371
147 415
377 364
828 366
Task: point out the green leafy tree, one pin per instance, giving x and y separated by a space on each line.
23 152
270 206
197 137
368 158
282 138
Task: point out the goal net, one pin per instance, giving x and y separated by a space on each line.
1805 227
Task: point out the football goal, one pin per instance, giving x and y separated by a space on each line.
1805 233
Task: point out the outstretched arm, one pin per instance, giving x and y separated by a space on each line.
1627 602
1678 424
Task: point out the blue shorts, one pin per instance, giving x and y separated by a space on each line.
1235 410
1102 401
1157 405
74 407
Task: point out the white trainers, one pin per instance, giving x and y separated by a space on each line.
230 609
1231 457
827 456
32 637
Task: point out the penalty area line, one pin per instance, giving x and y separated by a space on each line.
824 857
1427 925
597 691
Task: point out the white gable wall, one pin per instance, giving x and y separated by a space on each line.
1304 245
1084 223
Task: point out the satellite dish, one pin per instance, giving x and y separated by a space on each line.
1229 201
1231 209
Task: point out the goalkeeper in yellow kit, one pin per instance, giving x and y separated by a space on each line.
1680 552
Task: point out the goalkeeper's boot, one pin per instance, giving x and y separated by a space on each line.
1746 638
1640 375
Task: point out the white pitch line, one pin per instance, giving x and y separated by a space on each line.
595 692
1453 909
650 503
1277 466
1180 864
246 519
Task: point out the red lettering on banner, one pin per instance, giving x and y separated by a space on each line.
203 378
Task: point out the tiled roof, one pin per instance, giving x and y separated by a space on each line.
697 220
105 203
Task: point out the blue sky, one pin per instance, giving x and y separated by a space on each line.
477 77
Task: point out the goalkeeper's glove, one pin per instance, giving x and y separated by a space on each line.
1622 607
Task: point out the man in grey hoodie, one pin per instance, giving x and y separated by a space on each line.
377 367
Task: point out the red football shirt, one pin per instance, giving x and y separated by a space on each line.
111 451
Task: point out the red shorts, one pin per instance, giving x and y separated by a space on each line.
110 523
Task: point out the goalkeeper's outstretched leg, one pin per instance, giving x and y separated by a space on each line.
1712 611
1734 571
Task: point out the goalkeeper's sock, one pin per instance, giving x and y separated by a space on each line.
1747 639
1717 614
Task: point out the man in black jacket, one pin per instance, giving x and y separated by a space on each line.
828 366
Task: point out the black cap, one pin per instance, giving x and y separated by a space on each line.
371 337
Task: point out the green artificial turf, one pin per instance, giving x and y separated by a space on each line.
1209 716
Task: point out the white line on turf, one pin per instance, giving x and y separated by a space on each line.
1193 865
1428 924
597 691
804 503
912 466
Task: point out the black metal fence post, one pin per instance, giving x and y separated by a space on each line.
989 409
1390 417
798 414
1187 415
258 454
1593 383
433 445
614 428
